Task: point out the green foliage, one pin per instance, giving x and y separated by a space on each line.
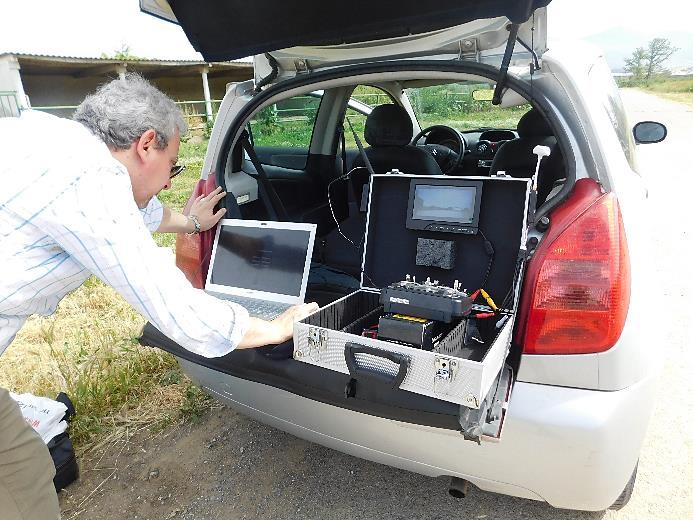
446 100
122 54
192 154
454 105
371 96
662 83
209 124
675 88
105 381
268 120
195 404
647 63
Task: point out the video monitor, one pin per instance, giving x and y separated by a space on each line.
444 205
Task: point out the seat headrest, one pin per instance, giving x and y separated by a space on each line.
388 125
533 124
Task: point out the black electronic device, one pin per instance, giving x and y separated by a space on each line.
410 330
444 205
426 300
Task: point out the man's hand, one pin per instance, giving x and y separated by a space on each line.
278 330
203 208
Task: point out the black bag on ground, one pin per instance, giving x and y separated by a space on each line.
62 451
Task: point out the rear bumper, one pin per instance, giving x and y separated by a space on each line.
572 448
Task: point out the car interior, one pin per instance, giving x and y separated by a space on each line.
456 135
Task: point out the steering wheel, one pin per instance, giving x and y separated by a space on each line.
447 158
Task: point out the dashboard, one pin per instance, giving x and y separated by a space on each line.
480 146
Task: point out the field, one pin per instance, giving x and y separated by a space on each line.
674 88
89 350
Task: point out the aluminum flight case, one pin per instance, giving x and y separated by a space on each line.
453 371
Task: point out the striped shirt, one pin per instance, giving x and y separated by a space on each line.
67 211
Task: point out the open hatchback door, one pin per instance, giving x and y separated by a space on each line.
312 35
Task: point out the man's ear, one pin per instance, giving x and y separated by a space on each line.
145 144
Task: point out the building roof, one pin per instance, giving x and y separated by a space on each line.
38 64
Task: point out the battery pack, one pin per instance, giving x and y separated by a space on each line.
416 332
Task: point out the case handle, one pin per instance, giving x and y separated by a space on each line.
350 351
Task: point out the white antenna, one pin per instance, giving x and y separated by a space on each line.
541 152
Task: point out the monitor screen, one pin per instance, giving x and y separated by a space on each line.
453 204
261 259
444 205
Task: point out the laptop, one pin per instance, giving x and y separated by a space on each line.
260 265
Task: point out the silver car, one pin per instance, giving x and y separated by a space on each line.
480 90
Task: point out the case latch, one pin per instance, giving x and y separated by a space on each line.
317 342
445 368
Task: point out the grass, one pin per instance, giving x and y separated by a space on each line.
89 350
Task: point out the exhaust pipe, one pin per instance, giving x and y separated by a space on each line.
458 487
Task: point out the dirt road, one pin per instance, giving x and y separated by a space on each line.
231 467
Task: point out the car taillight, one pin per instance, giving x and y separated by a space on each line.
193 251
188 258
580 288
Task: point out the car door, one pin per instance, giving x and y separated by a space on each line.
281 134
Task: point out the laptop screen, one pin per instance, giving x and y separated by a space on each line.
261 259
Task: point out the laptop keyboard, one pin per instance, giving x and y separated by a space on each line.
259 308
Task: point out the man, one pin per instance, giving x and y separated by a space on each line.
79 198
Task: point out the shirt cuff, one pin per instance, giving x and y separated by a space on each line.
153 214
240 325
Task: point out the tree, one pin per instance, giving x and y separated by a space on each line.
636 64
121 54
647 62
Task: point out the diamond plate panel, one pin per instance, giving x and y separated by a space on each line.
452 379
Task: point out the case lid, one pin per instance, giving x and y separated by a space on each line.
392 251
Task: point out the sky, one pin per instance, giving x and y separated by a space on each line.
79 28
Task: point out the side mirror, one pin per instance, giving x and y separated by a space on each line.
647 132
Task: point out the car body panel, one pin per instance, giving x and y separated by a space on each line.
554 437
634 356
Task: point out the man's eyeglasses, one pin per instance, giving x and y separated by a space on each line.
175 170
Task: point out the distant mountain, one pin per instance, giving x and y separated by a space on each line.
618 44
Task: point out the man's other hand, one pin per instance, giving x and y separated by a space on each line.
203 208
279 330
294 313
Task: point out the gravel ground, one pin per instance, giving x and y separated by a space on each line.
229 466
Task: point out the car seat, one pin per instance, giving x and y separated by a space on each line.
516 158
388 131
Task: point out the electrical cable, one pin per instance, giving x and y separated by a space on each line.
491 252
339 229
329 202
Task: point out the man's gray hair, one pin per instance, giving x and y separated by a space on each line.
120 111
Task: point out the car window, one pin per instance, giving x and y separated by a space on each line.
285 126
371 97
455 105
604 85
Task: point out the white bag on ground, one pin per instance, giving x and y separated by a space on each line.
43 414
